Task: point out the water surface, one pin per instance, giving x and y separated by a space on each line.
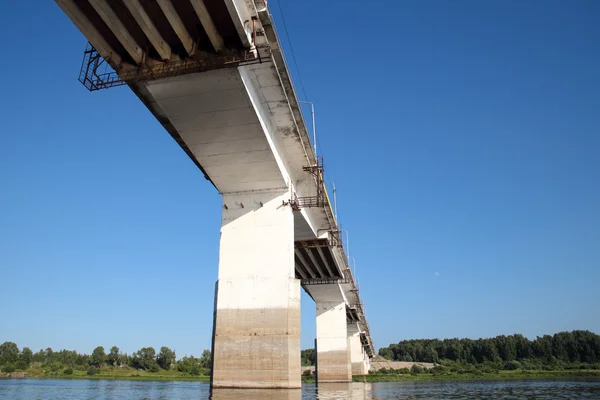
50 389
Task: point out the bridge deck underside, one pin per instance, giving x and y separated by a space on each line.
167 33
213 115
315 262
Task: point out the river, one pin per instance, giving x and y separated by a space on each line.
50 389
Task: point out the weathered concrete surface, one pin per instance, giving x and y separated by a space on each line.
333 357
256 341
333 366
358 357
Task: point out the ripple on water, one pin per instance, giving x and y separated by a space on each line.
50 389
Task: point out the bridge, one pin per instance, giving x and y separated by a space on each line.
213 73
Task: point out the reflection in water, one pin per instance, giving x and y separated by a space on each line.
325 391
55 389
335 391
256 394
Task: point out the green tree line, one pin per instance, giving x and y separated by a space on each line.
65 361
308 357
561 350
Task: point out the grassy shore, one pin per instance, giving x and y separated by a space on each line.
136 375
516 374
117 374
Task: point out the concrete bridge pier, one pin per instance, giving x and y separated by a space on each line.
215 77
333 356
256 337
358 357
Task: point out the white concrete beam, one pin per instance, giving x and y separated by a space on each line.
252 85
207 23
177 24
148 27
315 262
241 15
305 264
339 257
84 25
329 270
326 293
113 22
302 273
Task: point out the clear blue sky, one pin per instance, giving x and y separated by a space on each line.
464 139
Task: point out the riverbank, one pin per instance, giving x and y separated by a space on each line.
500 375
135 375
109 374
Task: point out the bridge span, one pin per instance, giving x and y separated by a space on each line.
213 73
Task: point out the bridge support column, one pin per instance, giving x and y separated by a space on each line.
333 358
256 333
357 353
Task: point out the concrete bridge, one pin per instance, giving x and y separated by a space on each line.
213 74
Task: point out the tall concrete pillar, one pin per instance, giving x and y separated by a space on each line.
256 334
357 353
333 358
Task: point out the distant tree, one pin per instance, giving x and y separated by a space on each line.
512 365
145 359
26 356
92 370
124 359
40 356
307 357
561 350
195 370
82 360
206 359
98 357
67 357
190 365
48 354
114 357
165 358
386 353
9 368
9 352
416 369
21 365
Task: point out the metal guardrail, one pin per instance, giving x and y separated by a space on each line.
96 74
324 281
